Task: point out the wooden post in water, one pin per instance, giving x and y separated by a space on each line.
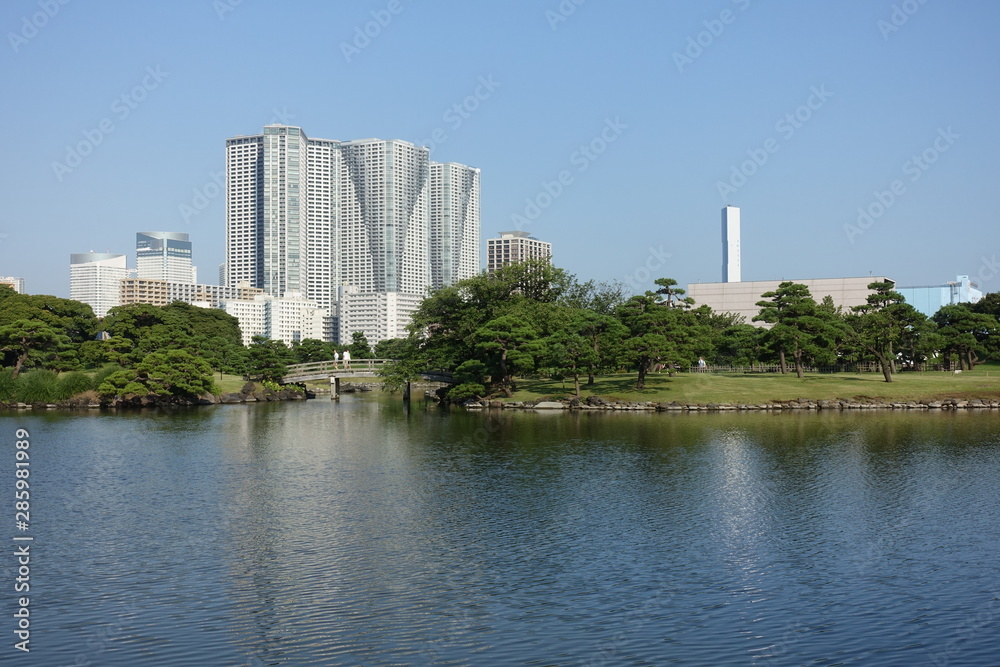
334 388
406 392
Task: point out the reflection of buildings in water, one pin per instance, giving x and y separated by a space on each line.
318 542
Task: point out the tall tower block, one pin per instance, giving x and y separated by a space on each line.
730 244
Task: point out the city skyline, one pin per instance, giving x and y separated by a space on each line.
878 158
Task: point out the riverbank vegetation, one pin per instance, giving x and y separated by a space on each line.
50 351
525 328
534 320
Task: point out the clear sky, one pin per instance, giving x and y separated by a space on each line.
652 114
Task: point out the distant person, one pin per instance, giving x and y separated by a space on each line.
347 358
336 358
701 365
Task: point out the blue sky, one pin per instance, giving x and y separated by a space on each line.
652 114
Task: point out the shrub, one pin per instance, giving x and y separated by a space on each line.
103 372
8 385
74 383
465 391
39 386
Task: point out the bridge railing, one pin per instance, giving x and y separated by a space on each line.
353 365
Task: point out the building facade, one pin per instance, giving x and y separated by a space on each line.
378 315
17 284
95 279
290 318
742 297
164 256
929 299
454 223
162 292
514 247
311 215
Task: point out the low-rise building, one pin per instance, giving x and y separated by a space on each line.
162 292
930 298
379 315
16 283
289 318
742 297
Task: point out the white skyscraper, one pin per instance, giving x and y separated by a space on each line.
95 279
313 215
454 223
266 210
730 244
385 216
164 256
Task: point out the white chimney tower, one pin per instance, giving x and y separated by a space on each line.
730 244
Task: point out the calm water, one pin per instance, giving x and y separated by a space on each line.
358 534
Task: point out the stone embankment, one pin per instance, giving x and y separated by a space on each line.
598 403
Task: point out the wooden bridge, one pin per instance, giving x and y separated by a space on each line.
333 371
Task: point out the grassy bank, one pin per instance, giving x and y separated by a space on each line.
984 382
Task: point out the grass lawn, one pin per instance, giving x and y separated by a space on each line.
229 384
984 382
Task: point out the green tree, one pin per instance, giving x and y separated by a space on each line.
391 348
879 325
569 351
801 327
310 350
25 337
988 305
659 332
359 347
965 333
741 345
167 373
268 358
606 335
510 343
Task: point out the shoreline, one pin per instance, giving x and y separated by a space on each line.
597 404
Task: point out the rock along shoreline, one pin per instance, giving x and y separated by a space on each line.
597 403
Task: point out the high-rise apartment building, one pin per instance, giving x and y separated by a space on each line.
385 216
164 256
312 215
454 223
730 244
95 279
514 247
266 210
